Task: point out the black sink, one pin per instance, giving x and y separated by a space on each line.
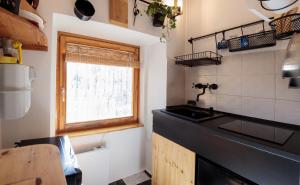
192 113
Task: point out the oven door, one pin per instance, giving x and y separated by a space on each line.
209 173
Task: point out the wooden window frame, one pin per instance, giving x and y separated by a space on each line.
100 125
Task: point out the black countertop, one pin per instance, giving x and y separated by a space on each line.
244 155
290 149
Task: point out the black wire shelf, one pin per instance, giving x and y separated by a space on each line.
199 59
286 26
253 41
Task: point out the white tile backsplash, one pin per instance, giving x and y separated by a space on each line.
249 84
207 100
205 70
258 63
229 85
287 112
231 104
231 65
206 79
258 107
260 86
279 56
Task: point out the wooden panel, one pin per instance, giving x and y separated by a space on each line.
172 164
118 12
37 164
18 28
102 130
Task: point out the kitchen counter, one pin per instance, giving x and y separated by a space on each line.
69 161
38 164
247 156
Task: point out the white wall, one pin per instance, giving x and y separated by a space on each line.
176 84
39 122
126 152
153 92
249 82
155 87
175 73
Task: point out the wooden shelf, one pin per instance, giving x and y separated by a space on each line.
18 28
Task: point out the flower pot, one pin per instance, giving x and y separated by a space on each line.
158 20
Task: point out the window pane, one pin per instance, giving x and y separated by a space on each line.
97 92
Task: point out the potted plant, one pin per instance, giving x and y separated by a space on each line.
163 16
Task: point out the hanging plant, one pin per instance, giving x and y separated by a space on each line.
163 16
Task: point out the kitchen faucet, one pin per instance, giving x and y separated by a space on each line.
204 87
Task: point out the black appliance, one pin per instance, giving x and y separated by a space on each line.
209 173
268 133
70 165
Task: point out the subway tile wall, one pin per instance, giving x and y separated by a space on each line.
249 84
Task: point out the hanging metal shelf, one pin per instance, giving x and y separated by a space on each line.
199 59
286 26
254 41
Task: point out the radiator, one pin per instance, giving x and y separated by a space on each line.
94 165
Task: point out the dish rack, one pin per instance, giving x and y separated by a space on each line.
286 26
199 59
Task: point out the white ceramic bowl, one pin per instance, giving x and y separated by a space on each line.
14 104
15 77
276 4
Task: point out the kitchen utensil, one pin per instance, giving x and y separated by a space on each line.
11 49
15 90
14 104
223 44
294 83
16 77
291 65
7 47
11 5
18 45
84 10
8 60
37 20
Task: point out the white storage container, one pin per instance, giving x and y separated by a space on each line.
15 77
15 90
14 104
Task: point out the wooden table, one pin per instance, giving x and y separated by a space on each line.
31 165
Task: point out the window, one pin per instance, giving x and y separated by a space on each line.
97 84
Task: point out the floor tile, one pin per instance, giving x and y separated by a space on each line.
119 182
148 182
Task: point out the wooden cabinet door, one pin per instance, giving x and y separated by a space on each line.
118 12
172 164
